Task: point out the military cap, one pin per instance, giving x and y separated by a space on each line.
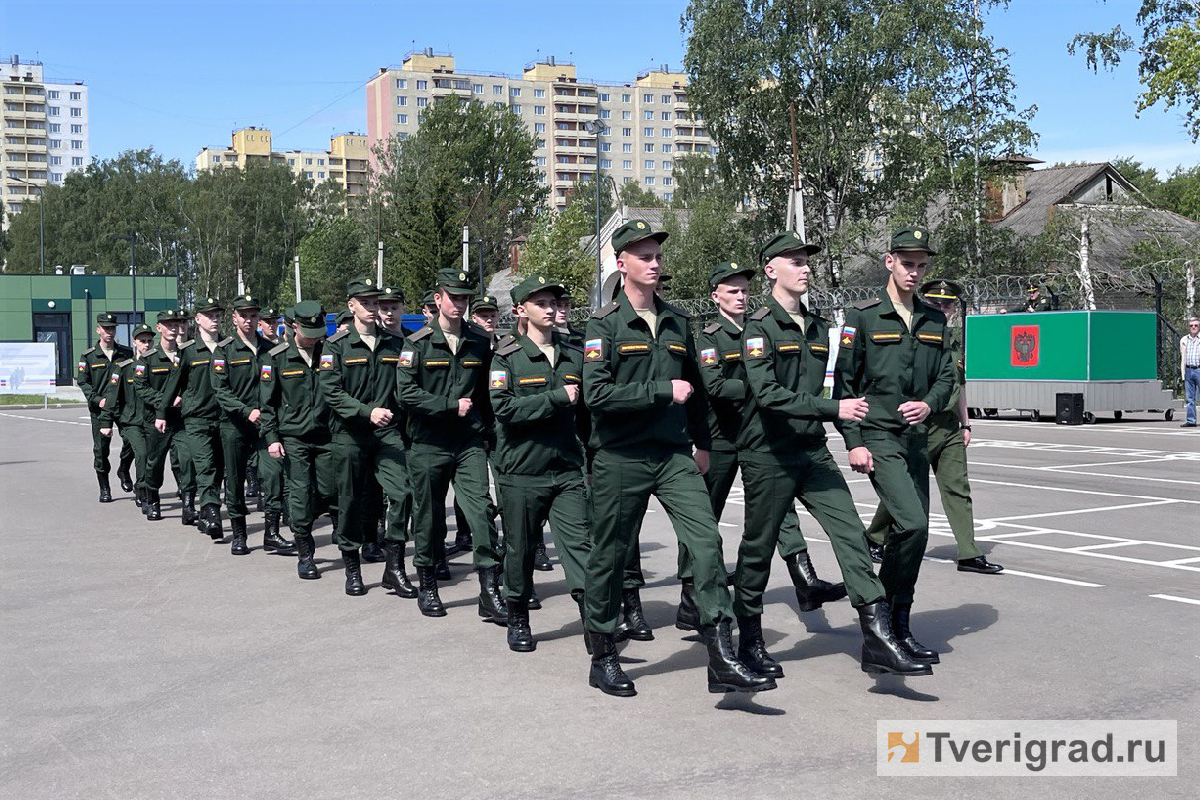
909 240
172 315
427 298
566 292
535 283
311 318
785 242
245 301
1033 287
270 312
392 293
941 290
485 302
341 319
143 328
455 281
289 315
106 318
634 231
208 304
362 286
727 269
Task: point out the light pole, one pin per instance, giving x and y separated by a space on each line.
594 126
41 220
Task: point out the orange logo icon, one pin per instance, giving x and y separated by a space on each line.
904 747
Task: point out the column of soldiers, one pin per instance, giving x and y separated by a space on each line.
372 426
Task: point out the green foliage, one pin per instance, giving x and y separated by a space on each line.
634 195
1180 192
583 194
713 234
554 249
330 254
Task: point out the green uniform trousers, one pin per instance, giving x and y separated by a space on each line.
396 514
202 442
901 479
528 503
158 445
772 487
360 460
622 484
101 446
434 470
311 474
271 478
239 439
948 458
134 437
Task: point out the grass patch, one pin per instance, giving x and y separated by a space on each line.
31 399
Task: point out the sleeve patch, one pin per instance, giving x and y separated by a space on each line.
327 361
708 356
265 372
140 369
754 347
593 349
848 334
115 379
406 358
83 366
218 365
498 379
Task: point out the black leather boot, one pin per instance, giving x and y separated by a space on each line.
306 568
688 616
153 511
752 649
880 651
105 491
635 620
273 541
811 591
427 593
252 484
535 602
394 576
491 603
137 499
520 635
210 521
123 477
237 527
606 673
725 672
875 551
919 652
372 553
442 570
541 561
189 515
354 581
979 564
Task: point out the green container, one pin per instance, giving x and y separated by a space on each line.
1062 346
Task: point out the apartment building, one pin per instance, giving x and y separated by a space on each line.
637 128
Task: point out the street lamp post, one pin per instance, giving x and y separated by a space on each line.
41 220
594 126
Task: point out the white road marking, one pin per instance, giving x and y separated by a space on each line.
1045 488
1177 599
1026 468
40 419
1074 511
1117 428
1104 546
1053 578
1115 463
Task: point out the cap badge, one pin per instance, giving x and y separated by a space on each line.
916 234
462 276
733 265
541 279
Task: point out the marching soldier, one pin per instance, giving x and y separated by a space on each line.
121 404
442 384
949 435
784 458
486 313
295 425
96 365
271 480
562 319
150 377
640 376
893 354
391 318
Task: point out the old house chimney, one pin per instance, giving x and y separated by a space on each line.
1006 191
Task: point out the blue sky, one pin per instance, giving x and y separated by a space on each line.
179 75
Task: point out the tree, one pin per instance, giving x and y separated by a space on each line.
554 249
329 254
583 194
635 196
695 175
712 234
1169 68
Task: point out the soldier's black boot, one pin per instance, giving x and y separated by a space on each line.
137 499
535 602
306 568
875 551
273 541
442 570
237 527
153 512
210 521
394 576
372 553
811 591
189 515
428 601
918 651
123 477
491 603
354 581
520 635
635 620
688 616
752 649
252 484
105 491
725 672
606 673
541 561
880 651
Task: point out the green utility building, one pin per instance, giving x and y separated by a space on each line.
63 308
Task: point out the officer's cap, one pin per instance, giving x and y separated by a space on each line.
143 329
311 317
785 242
362 286
343 318
392 293
912 240
427 298
727 269
485 303
106 319
941 290
208 305
289 315
533 284
172 315
245 302
270 312
634 231
1033 287
455 281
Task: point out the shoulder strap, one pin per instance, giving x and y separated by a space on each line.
761 313
508 348
604 311
89 351
865 304
712 327
225 341
277 349
339 335
417 336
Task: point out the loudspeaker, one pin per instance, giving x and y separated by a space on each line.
1068 408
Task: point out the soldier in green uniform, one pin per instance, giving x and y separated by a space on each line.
1036 301
428 306
150 377
191 385
269 480
95 367
535 382
442 384
723 370
121 404
391 317
295 426
893 354
949 436
235 381
640 380
485 313
784 458
358 377
562 319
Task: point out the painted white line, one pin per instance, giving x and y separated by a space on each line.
1052 578
1000 537
1046 488
1094 554
1027 468
1116 463
1104 546
1187 600
1182 561
40 419
1078 511
1071 429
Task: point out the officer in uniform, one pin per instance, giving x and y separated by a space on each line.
268 328
428 307
1036 301
485 313
442 384
295 425
268 324
121 404
235 380
391 317
784 458
893 354
95 367
562 318
949 435
358 376
191 384
640 377
150 377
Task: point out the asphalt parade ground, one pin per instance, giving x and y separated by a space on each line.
139 660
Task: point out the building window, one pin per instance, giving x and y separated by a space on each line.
649 148
422 102
666 116
667 181
626 164
76 129
666 148
648 133
666 98
422 86
649 180
540 144
498 104
606 163
516 108
514 91
649 115
605 113
308 173
627 147
539 92
539 111
56 177
403 136
540 160
626 115
291 161
56 142
401 100
627 132
649 163
321 175
668 195
308 162
55 160
52 110
55 127
401 83
606 147
476 88
666 132
320 162
497 89
539 127
216 159
402 119
52 94
76 112
604 97
667 164
76 161
647 98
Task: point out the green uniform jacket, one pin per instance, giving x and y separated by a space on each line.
948 417
573 336
93 371
121 401
356 379
192 382
536 431
150 376
785 365
290 396
724 374
431 380
627 376
881 360
235 375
